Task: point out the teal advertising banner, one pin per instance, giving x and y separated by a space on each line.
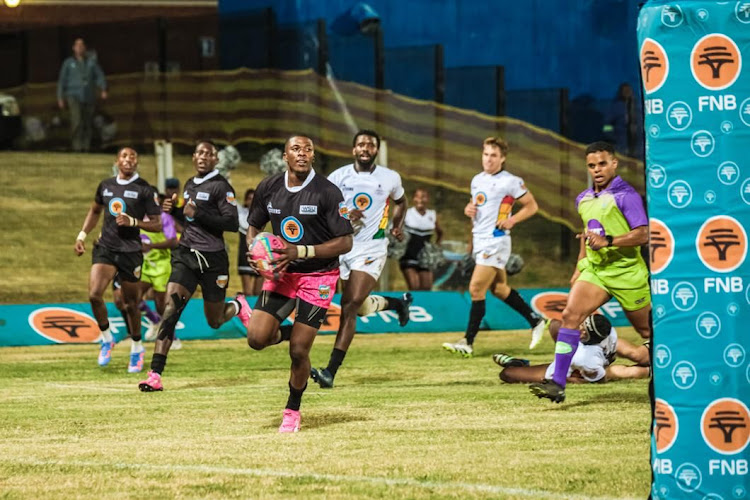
45 324
696 87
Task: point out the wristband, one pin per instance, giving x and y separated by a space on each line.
81 236
609 239
305 251
132 221
189 219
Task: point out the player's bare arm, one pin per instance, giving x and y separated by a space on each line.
399 214
633 238
528 208
89 223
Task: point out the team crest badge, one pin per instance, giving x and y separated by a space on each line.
343 210
222 280
324 291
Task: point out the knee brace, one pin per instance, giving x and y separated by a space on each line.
169 323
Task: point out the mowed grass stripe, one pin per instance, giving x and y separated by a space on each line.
337 478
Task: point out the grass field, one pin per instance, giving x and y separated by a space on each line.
406 420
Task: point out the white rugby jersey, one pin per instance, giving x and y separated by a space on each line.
494 196
592 360
369 192
421 225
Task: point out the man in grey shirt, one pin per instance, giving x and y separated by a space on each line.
80 75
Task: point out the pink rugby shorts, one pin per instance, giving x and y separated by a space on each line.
314 288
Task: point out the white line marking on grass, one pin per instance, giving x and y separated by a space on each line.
93 388
380 481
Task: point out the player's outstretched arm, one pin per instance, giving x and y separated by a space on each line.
89 223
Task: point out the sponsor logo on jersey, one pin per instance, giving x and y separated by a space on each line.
308 209
654 65
725 426
362 201
715 61
721 244
230 199
64 325
116 206
272 210
202 195
666 426
291 229
130 194
661 245
107 192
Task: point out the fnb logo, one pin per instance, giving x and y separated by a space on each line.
291 229
679 194
734 355
702 143
679 115
708 325
715 61
671 16
725 426
721 244
728 173
117 206
684 375
64 325
745 191
684 296
654 65
666 426
661 245
550 304
657 176
688 477
742 12
663 356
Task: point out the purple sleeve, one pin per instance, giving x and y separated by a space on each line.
630 204
167 226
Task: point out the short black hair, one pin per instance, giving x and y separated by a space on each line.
206 141
286 143
598 146
249 192
365 131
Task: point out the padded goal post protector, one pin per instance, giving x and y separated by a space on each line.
695 72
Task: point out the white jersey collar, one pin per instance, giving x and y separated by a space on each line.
295 189
210 175
124 182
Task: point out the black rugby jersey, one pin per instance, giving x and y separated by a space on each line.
310 216
216 212
136 198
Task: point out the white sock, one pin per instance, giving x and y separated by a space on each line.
373 303
136 346
107 335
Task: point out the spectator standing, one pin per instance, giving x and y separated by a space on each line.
80 76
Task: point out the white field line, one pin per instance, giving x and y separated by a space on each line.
379 481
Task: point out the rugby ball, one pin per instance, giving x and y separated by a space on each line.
263 251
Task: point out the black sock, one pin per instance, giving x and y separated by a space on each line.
337 357
295 397
393 304
158 361
516 302
478 308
